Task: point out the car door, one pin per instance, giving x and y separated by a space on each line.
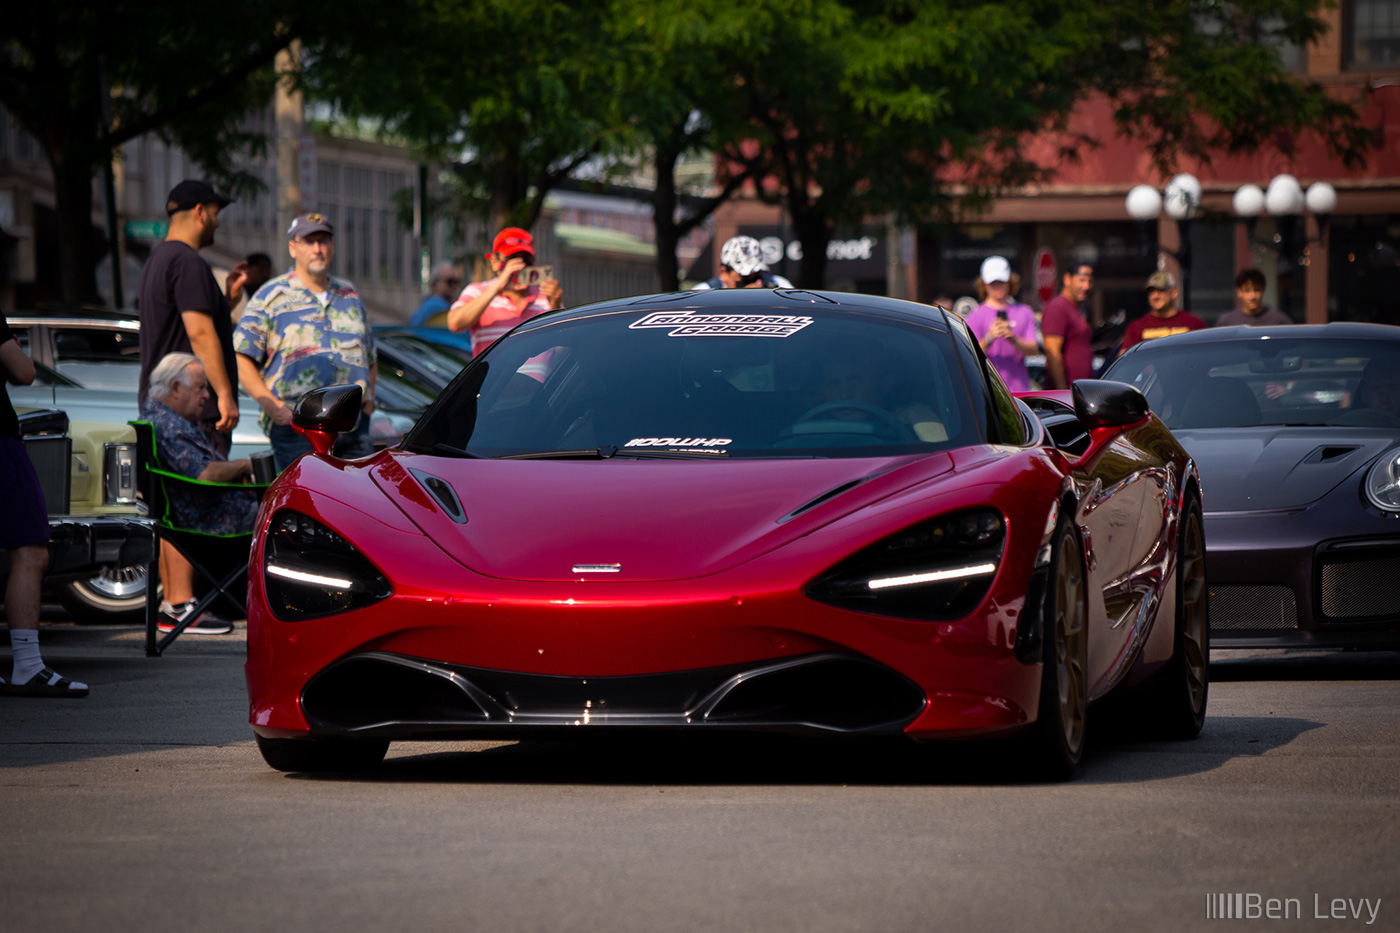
1127 490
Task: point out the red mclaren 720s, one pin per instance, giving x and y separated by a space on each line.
735 510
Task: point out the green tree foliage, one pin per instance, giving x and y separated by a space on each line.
676 67
516 91
83 78
892 107
840 109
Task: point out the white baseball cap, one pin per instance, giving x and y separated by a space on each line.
995 269
743 255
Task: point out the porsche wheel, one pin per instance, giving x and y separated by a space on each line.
1057 740
1176 698
113 596
323 754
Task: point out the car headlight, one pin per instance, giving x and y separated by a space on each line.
1383 482
310 571
937 570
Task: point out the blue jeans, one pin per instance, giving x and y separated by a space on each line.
287 444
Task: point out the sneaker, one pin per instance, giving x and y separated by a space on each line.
207 624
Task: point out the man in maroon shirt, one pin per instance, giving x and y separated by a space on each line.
1163 317
1069 342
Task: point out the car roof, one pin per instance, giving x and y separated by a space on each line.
764 300
1337 330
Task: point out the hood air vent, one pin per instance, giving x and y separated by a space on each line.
1327 454
443 494
824 497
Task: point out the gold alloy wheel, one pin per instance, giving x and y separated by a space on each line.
1071 643
1195 618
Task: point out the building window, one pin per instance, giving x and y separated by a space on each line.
1292 56
1371 34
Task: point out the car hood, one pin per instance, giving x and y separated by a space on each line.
1264 468
642 520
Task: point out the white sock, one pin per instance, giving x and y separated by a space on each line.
24 643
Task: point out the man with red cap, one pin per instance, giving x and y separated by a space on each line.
490 308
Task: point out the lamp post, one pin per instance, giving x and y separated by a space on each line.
1285 201
1182 201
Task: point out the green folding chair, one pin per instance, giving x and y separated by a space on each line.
220 560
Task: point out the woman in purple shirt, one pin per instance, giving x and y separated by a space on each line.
1003 326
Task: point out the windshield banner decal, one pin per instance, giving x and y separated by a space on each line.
690 324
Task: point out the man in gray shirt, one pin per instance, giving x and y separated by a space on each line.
1249 289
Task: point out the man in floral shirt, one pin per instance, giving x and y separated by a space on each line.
178 391
302 331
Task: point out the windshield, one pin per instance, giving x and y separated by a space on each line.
638 382
1275 381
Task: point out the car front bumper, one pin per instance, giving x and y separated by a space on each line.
1319 576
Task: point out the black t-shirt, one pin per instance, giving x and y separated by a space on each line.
9 421
175 280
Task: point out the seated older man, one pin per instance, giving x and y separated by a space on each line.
177 395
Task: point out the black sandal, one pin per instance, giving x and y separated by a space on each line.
45 684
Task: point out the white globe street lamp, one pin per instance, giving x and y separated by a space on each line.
1144 203
1182 200
1285 200
1248 201
1321 199
1183 197
1284 196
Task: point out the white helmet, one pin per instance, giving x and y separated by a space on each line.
743 255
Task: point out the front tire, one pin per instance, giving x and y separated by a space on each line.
1056 742
311 755
1175 700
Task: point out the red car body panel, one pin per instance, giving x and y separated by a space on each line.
747 609
616 568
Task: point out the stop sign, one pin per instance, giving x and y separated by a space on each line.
1044 274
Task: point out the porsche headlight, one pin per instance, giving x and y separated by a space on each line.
310 571
937 570
1383 482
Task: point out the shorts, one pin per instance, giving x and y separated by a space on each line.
26 517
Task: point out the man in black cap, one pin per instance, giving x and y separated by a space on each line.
183 310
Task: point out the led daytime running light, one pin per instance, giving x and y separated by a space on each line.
933 576
299 576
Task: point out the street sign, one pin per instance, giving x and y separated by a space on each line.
146 229
1044 274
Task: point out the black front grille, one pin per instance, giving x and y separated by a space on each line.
1361 587
392 695
1253 608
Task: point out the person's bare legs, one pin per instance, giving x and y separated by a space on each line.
22 599
176 574
27 566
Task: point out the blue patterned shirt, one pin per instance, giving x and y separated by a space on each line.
300 343
184 449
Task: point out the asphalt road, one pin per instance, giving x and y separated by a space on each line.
145 807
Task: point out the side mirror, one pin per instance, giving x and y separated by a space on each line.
1099 403
324 414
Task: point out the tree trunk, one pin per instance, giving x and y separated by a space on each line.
72 183
663 202
502 199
